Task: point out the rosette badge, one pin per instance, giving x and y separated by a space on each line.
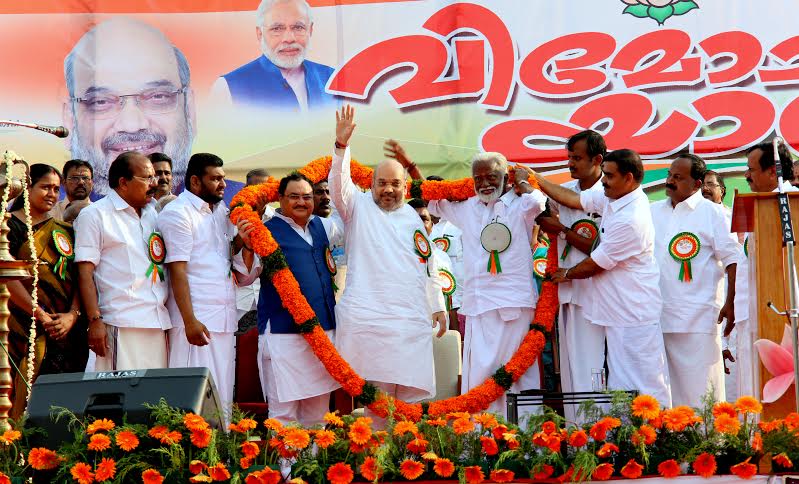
658 10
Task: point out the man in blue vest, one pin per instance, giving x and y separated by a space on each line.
281 78
296 385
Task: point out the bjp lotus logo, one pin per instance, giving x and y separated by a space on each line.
659 10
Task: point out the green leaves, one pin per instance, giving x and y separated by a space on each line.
661 14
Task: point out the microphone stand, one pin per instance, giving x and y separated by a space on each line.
792 311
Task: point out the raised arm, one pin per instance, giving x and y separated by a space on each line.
562 195
392 149
342 189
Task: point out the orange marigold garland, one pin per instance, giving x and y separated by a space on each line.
244 206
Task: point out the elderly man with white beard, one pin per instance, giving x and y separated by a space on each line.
383 318
282 78
499 294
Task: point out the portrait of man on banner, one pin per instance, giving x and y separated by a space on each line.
129 90
282 78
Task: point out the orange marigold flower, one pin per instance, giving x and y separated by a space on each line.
487 420
101 424
611 422
360 433
489 445
645 435
340 473
404 427
744 470
443 467
748 404
606 450
127 440
275 425
370 470
325 438
106 470
499 432
598 432
200 478
632 469
675 420
99 442
197 466
417 445
770 426
457 415
4 479
201 438
462 426
43 459
152 476
602 472
296 438
10 436
192 421
502 475
473 474
548 427
158 432
250 449
266 476
245 462
705 465
578 438
333 419
726 424
646 407
244 425
669 468
783 460
82 472
219 472
436 422
757 442
172 438
724 408
792 421
543 471
410 469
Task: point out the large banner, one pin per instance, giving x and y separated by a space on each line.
257 83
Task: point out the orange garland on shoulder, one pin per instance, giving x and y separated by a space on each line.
244 206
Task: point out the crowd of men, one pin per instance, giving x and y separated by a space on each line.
643 288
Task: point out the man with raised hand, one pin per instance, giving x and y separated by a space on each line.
384 316
694 248
626 296
499 295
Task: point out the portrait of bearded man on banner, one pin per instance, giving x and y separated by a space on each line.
129 90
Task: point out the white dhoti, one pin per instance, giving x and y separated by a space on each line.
746 361
637 361
581 349
491 340
219 356
695 367
295 383
133 349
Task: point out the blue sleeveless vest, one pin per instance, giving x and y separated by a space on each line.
261 84
308 265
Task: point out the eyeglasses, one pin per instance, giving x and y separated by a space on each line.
78 179
712 185
299 30
150 180
109 105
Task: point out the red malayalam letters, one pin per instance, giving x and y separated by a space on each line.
753 113
745 51
671 47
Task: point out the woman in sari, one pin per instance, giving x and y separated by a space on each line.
61 344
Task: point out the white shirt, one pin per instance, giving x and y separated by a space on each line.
296 79
514 286
577 291
693 307
626 293
200 235
112 236
445 229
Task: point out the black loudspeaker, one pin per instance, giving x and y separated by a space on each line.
112 394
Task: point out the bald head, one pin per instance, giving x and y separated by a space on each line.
388 185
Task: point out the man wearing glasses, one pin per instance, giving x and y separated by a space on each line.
281 78
129 90
78 183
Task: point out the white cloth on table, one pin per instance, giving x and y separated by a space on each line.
133 349
637 360
491 339
114 238
445 229
581 347
307 402
383 319
695 367
219 356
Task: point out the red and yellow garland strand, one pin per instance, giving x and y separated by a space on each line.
245 204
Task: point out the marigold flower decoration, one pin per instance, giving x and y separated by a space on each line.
705 465
645 435
296 438
669 468
101 424
607 450
646 407
219 472
578 438
473 474
99 442
42 459
443 467
489 445
152 476
333 419
602 472
502 475
543 471
727 425
106 470
411 469
82 472
783 460
10 436
127 440
744 470
632 469
201 438
370 470
747 404
724 408
340 473
244 205
324 438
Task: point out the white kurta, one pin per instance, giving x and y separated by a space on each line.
690 309
383 319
